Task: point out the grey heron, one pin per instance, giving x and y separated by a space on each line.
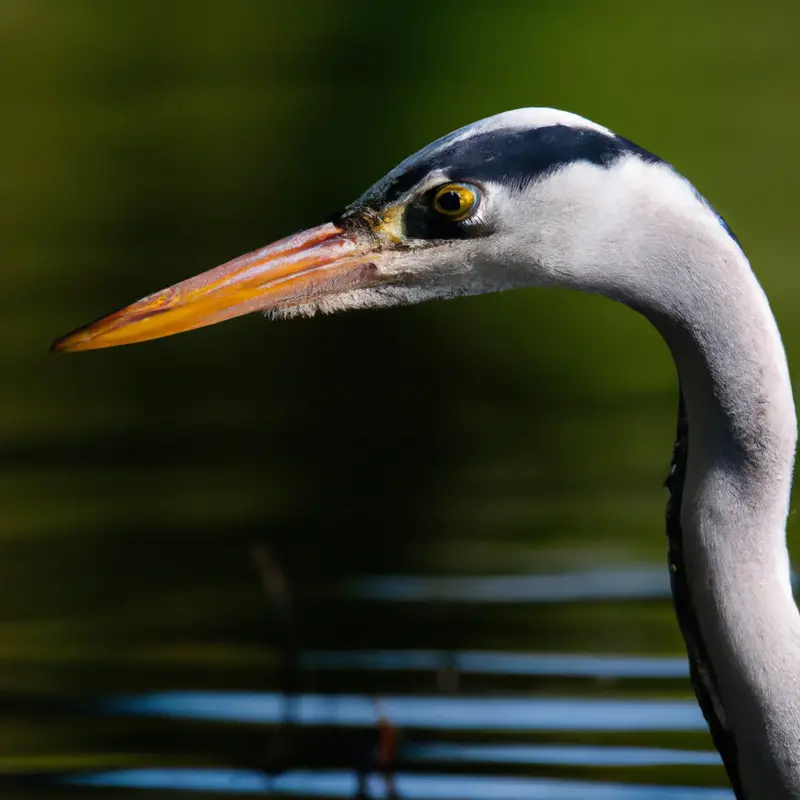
541 197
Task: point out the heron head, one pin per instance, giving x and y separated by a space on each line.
450 220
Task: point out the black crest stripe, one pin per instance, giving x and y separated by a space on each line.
517 157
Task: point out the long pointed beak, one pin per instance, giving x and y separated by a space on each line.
308 265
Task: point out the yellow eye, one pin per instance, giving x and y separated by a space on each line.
456 201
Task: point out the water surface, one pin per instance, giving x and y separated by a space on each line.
240 560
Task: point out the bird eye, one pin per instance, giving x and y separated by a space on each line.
456 201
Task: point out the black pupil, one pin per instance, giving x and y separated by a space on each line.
450 202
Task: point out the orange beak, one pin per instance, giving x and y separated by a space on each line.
299 269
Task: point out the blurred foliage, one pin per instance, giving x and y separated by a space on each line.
144 141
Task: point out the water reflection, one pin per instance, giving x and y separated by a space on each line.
498 663
409 785
478 438
630 583
560 755
429 713
634 583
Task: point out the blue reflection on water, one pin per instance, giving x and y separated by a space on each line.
498 663
632 583
432 713
611 584
559 755
409 785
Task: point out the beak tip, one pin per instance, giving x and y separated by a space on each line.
58 346
68 343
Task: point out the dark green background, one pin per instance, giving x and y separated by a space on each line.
142 142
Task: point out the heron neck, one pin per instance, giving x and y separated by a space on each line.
731 521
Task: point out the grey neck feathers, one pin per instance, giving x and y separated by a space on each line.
729 493
643 237
702 673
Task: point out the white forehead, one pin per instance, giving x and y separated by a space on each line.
528 118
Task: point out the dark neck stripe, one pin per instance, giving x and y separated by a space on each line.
703 676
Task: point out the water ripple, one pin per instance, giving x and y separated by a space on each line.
631 583
634 583
431 713
500 663
559 755
409 785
